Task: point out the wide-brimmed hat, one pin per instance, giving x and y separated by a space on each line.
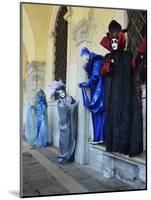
114 31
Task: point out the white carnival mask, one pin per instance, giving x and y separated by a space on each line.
61 94
114 44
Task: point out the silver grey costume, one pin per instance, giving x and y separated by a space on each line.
68 114
68 117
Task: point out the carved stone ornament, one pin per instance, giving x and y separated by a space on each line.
81 32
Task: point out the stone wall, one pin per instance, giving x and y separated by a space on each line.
129 170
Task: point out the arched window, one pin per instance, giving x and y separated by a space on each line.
137 25
61 31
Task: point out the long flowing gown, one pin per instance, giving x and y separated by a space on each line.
42 124
30 126
68 114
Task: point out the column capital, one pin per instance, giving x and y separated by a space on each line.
35 66
35 78
80 33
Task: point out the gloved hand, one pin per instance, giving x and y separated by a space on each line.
83 85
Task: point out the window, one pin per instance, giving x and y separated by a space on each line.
137 25
61 45
137 29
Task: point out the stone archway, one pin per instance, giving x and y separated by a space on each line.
29 43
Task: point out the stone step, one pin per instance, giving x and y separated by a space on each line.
140 159
131 170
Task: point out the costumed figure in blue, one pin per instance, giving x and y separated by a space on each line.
36 132
68 113
30 125
40 109
92 64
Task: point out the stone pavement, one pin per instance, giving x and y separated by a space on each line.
42 175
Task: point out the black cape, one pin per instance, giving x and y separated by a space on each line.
121 123
118 98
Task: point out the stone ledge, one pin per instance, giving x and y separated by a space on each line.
139 160
131 170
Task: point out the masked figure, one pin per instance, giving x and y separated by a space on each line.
92 64
68 113
40 109
119 92
30 125
124 123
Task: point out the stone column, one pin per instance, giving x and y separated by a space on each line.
52 106
51 56
81 37
35 78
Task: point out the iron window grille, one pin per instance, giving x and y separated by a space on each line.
137 29
61 45
137 25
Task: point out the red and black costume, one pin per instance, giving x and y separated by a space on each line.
139 76
119 97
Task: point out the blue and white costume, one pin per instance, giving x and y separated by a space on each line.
36 132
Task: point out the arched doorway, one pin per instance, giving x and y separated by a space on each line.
61 30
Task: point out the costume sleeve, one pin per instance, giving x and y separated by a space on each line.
95 73
108 65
